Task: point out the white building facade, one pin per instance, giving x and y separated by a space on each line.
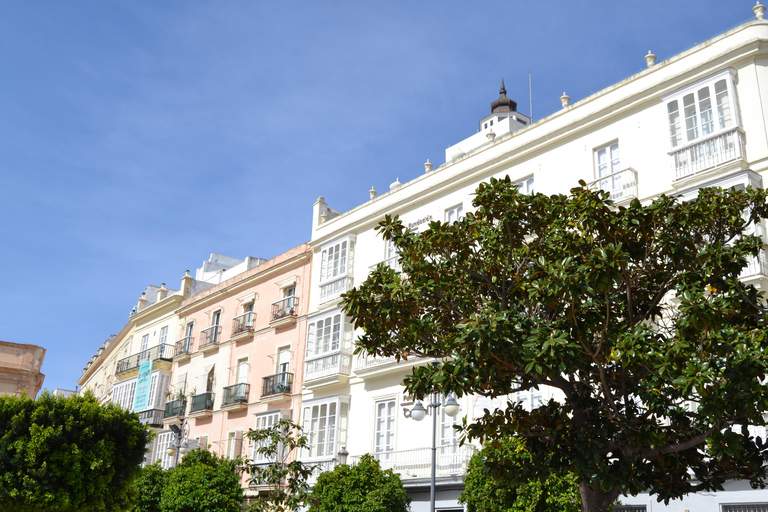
697 119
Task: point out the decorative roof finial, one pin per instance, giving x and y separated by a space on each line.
565 100
650 59
759 10
503 90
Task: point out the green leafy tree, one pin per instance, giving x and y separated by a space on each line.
493 484
149 486
363 487
283 475
63 454
202 482
635 315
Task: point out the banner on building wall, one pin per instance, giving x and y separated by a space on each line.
142 386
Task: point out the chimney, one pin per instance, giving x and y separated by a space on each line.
162 292
142 302
186 285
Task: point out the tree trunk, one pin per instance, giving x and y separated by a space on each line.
594 499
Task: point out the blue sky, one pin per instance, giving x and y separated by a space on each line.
137 137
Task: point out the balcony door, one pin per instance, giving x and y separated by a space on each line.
283 369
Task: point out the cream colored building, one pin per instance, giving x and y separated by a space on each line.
697 119
20 366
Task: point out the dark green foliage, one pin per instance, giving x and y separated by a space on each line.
635 315
363 487
285 477
202 482
488 491
64 454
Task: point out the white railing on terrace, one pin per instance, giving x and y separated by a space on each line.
707 153
392 262
365 362
756 265
321 466
621 185
337 363
451 460
335 288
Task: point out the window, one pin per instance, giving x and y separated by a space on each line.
454 214
384 429
163 335
703 125
333 261
164 441
144 342
391 256
242 370
263 421
449 436
530 399
744 507
202 442
284 360
526 186
608 164
234 444
324 335
325 424
215 321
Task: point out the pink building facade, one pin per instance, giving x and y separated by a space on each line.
238 361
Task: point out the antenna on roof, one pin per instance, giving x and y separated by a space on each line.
530 95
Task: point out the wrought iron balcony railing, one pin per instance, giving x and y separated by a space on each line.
152 417
184 346
175 408
202 402
243 323
235 394
288 306
163 351
277 384
209 336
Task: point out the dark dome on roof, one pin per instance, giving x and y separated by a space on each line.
503 104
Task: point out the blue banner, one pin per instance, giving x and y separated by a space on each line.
142 387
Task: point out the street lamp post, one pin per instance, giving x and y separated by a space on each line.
418 413
180 445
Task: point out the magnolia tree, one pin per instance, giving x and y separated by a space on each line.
634 315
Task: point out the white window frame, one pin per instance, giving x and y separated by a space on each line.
333 328
691 132
454 213
531 399
234 443
163 335
526 186
326 432
608 171
384 426
335 259
262 421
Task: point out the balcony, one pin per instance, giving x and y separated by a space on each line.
277 386
708 152
621 185
243 326
235 397
328 369
184 348
335 288
756 271
164 352
202 405
451 460
284 312
175 408
152 417
209 338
